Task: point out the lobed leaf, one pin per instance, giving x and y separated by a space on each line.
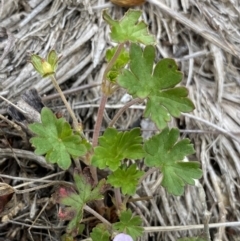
100 233
126 178
129 28
157 84
129 224
56 139
115 146
166 152
167 103
75 201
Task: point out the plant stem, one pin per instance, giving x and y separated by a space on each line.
97 215
98 123
124 108
112 61
96 132
106 91
70 111
118 198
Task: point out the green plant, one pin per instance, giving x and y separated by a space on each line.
133 68
56 139
76 199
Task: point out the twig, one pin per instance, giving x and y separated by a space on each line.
156 229
43 208
213 125
51 227
32 179
15 106
36 11
207 34
50 183
26 155
206 213
71 91
189 227
10 43
17 127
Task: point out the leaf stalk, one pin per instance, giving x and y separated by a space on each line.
69 109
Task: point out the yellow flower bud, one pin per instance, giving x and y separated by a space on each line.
47 68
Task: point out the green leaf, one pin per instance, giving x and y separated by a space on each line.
164 104
115 146
74 224
56 139
156 84
166 152
36 61
129 28
120 63
52 59
75 201
126 178
100 233
129 224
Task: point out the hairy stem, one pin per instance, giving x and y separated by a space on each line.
112 61
98 123
70 111
106 91
124 108
96 132
118 198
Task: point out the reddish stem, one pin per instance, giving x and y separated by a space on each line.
96 132
98 124
106 91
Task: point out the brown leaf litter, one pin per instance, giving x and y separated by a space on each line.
202 36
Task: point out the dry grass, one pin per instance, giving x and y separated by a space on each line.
203 37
